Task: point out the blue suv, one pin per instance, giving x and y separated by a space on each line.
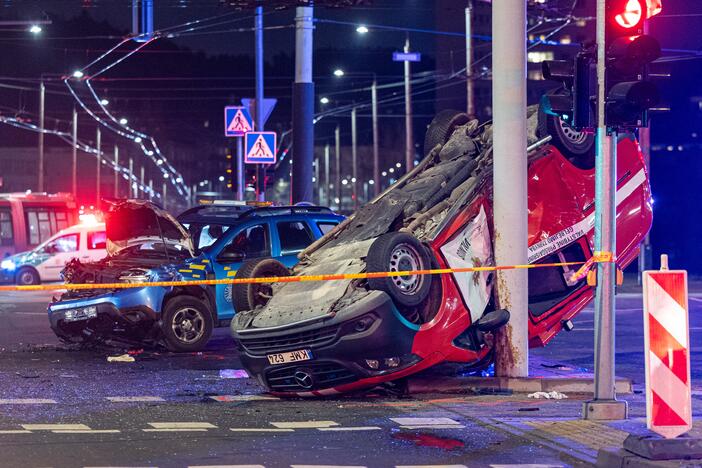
146 244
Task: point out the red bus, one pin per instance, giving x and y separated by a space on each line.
28 219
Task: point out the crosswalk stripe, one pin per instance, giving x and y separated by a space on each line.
425 421
226 466
526 465
26 401
252 429
131 399
431 466
358 428
435 426
89 431
15 431
182 425
174 429
55 427
327 466
226 398
304 424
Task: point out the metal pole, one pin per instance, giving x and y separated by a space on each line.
303 107
74 156
604 405
354 160
164 192
240 178
260 172
376 139
470 96
645 254
510 182
151 189
117 171
337 181
42 94
98 181
317 181
409 136
143 192
131 179
327 193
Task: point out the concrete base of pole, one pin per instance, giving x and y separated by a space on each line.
652 451
605 410
303 142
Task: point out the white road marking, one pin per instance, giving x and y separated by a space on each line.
226 466
182 425
130 399
426 421
304 424
89 431
435 426
55 427
526 465
226 398
357 428
15 431
174 430
327 466
27 401
431 466
253 429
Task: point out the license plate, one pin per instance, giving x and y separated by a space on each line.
76 315
292 356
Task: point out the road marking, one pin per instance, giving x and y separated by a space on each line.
252 429
130 399
89 431
226 466
327 466
182 425
227 398
415 423
431 466
358 428
527 465
27 401
15 431
435 426
174 430
55 427
304 424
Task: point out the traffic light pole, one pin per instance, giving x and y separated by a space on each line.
510 182
260 171
604 405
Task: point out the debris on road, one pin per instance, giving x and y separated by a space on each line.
233 374
120 358
554 395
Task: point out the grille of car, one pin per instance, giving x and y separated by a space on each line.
291 342
321 375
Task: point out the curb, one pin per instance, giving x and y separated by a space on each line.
444 384
620 458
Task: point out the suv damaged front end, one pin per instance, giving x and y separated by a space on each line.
145 244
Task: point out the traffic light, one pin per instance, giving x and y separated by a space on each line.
629 94
573 103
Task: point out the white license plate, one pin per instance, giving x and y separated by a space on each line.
292 356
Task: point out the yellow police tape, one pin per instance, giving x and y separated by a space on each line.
598 258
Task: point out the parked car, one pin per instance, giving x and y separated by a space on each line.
312 339
85 241
147 244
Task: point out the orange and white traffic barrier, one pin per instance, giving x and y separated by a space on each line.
667 348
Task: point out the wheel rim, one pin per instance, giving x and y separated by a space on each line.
26 277
188 324
575 137
405 257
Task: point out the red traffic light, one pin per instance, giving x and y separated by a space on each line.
630 14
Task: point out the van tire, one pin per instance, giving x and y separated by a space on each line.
27 276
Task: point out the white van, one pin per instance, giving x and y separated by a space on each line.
85 241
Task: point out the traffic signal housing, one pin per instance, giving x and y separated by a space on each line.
629 52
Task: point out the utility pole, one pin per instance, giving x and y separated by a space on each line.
143 187
164 196
337 182
151 189
74 156
470 96
303 107
260 171
317 181
240 179
510 182
42 95
116 171
376 138
327 192
131 178
409 135
604 405
98 143
354 160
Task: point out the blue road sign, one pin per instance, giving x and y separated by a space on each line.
406 56
237 121
268 105
260 148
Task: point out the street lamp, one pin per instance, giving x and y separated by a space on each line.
35 29
362 29
324 100
137 140
78 74
104 102
123 121
338 72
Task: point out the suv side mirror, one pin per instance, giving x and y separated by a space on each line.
231 256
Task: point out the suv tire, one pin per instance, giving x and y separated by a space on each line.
441 128
399 251
250 296
27 276
578 147
186 324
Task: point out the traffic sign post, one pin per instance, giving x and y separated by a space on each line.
667 338
260 148
237 121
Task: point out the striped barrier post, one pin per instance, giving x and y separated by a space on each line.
667 338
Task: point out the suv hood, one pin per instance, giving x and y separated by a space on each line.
134 222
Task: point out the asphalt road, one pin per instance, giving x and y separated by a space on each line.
63 407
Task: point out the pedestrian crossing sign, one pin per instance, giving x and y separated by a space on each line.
260 148
237 121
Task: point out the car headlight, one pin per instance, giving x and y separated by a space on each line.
8 265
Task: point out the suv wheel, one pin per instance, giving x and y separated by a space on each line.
441 128
399 251
27 276
578 147
250 296
186 324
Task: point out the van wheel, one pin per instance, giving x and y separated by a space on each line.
250 296
27 277
186 324
399 251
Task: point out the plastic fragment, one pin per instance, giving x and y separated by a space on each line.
120 358
233 374
554 395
